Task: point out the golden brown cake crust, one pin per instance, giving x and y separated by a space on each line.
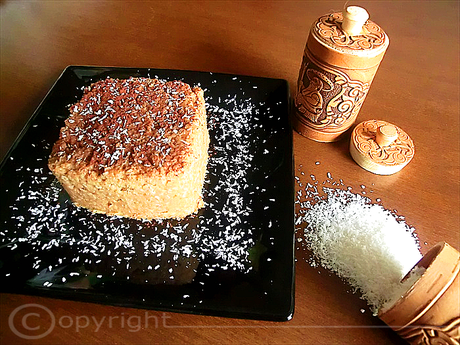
135 148
135 124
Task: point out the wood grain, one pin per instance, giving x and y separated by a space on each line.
416 88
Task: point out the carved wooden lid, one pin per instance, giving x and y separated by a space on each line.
328 29
381 147
329 41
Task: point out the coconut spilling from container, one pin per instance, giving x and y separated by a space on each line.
377 253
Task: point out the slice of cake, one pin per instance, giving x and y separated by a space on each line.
136 148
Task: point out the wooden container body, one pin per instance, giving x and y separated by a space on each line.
429 313
334 78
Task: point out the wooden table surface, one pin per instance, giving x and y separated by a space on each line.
416 88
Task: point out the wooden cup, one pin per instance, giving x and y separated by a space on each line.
429 312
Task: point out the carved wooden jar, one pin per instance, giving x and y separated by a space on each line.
429 312
340 60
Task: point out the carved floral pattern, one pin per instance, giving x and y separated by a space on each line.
326 97
399 152
448 334
328 29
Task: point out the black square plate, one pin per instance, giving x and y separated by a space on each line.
234 258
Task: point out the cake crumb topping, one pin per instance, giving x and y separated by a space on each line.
136 123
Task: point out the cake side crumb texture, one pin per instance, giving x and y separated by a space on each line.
136 148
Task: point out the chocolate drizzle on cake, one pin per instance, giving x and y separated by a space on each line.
139 124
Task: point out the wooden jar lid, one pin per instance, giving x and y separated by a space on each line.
347 39
381 147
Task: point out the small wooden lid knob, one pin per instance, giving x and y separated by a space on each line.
380 147
385 135
354 17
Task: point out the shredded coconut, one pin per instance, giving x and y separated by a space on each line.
365 244
402 288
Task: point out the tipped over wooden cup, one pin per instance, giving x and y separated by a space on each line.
429 312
